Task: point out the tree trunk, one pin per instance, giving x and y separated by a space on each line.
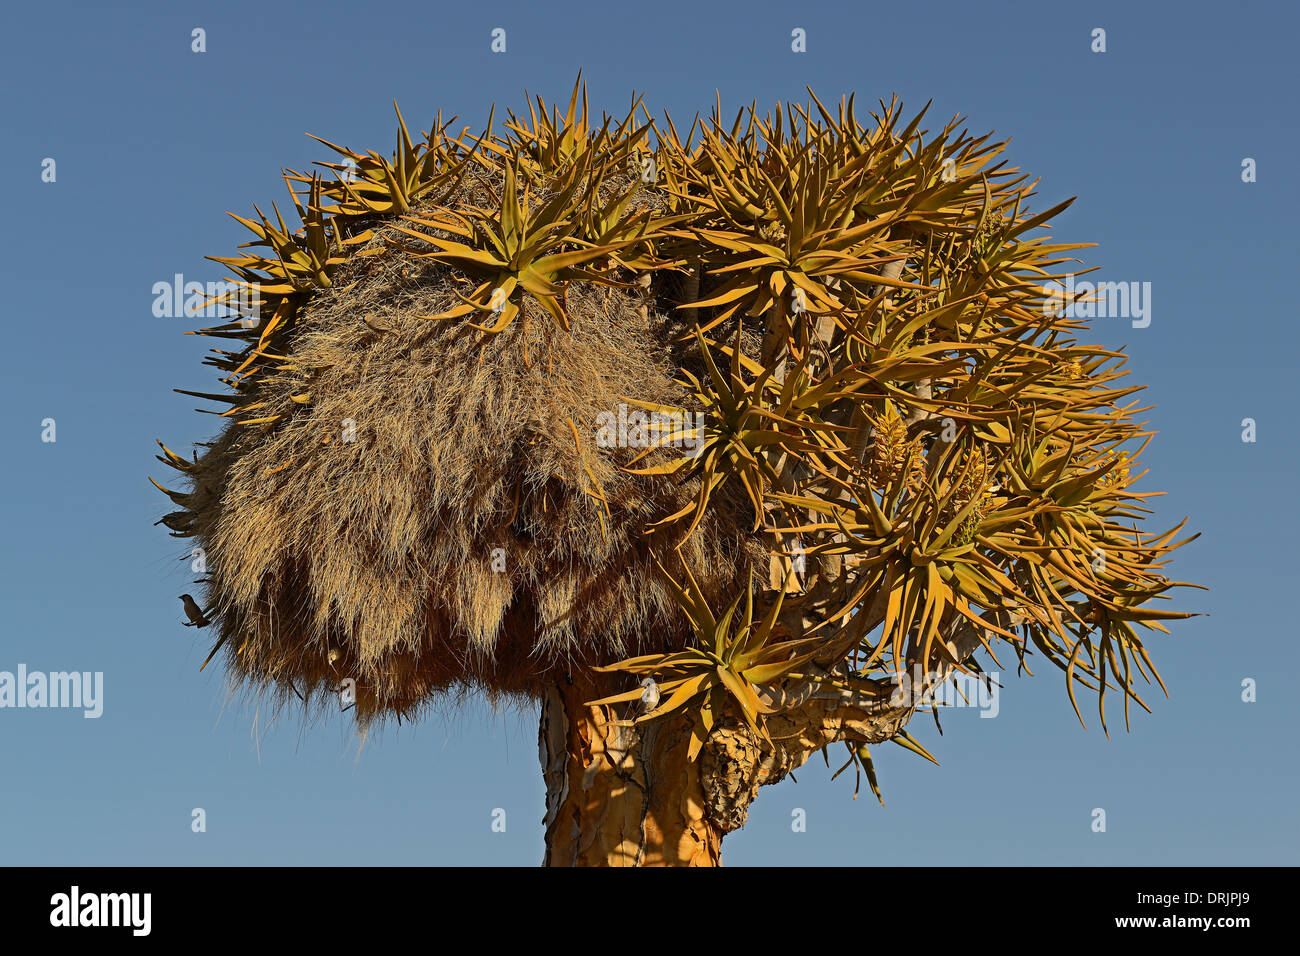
615 795
629 796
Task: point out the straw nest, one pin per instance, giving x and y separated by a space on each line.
433 511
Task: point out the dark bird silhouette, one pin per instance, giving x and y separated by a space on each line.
194 612
178 521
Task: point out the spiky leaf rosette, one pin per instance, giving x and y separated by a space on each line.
572 395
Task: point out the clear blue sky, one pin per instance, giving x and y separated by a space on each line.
154 144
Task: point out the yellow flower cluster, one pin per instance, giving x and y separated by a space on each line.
973 483
772 229
1117 477
893 457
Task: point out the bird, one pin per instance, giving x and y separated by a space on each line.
498 300
649 696
375 325
642 287
194 612
178 520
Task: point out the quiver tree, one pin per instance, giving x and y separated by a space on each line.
726 448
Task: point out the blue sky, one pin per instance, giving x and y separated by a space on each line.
154 144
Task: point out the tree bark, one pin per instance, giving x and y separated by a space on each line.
617 795
621 795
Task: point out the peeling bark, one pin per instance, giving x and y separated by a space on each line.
629 796
620 795
616 795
